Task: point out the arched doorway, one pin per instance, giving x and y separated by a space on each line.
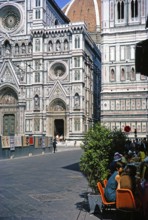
8 113
59 127
57 119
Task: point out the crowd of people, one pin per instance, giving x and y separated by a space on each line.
130 171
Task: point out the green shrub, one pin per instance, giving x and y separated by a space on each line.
95 158
99 146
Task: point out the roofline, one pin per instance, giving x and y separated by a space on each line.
57 8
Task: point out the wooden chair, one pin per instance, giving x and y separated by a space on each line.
105 204
125 202
105 182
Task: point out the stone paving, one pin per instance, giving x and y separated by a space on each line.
44 187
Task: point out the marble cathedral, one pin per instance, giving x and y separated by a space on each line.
50 72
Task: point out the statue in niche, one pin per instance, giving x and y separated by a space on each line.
36 102
76 100
58 46
59 72
65 45
50 46
7 49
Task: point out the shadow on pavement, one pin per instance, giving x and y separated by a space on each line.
74 167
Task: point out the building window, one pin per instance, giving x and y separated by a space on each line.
38 3
122 76
132 52
77 75
133 75
112 53
134 8
29 125
112 75
37 77
37 14
77 124
122 52
77 61
36 124
77 42
120 10
111 11
37 65
37 44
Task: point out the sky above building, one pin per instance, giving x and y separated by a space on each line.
62 3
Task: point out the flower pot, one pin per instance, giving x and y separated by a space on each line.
93 200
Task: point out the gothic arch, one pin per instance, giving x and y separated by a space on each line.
8 96
57 105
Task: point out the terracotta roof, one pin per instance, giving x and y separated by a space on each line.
88 11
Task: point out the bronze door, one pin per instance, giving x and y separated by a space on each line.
9 125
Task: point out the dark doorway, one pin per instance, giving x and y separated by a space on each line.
9 125
59 127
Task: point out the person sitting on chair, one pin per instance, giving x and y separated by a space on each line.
112 183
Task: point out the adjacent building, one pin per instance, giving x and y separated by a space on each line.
120 25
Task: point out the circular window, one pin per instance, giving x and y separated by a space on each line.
10 17
11 20
58 70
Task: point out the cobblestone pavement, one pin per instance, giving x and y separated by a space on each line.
44 187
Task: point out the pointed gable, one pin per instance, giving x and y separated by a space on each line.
7 74
57 92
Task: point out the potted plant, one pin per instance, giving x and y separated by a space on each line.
95 158
99 146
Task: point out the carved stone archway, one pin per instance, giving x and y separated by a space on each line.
57 119
8 111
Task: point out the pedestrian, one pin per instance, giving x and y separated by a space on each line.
54 145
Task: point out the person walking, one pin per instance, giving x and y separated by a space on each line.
54 145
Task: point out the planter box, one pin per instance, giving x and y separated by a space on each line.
93 200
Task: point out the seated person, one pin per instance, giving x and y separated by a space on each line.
112 183
112 165
141 153
128 178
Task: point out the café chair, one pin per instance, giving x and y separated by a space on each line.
105 205
105 182
125 202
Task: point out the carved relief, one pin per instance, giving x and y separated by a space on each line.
7 77
57 105
8 99
112 105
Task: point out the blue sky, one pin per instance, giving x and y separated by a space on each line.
62 3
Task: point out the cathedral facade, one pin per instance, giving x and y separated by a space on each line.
50 72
